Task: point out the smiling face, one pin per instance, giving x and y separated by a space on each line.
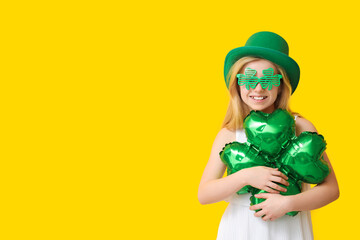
258 98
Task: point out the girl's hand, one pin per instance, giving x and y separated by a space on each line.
273 207
264 177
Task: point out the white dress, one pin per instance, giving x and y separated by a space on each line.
239 223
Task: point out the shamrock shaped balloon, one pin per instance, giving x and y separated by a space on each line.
272 142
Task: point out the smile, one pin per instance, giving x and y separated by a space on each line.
258 98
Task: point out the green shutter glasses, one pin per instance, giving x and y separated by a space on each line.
250 80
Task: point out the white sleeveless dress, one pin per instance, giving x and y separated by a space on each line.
239 223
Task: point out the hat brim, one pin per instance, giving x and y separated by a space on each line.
290 66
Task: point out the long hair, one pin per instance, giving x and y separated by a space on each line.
237 109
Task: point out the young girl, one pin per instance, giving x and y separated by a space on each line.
262 51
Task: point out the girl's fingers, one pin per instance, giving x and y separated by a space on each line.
262 195
279 180
280 174
277 187
270 190
259 213
256 207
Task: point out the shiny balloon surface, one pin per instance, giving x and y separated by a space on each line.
269 132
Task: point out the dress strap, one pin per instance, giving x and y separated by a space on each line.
240 135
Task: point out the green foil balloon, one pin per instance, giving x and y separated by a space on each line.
237 156
269 132
303 160
272 142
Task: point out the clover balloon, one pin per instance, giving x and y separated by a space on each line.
272 142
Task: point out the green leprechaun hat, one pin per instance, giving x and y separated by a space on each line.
270 46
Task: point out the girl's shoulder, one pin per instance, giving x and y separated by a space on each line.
302 125
225 136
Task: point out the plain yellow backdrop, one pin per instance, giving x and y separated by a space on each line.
109 111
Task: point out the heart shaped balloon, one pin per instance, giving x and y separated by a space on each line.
269 132
303 160
237 156
272 142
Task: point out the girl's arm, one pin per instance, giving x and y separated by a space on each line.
322 194
214 188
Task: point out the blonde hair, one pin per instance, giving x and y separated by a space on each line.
237 109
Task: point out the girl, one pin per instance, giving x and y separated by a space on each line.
262 51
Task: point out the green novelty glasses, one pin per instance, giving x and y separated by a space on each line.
250 80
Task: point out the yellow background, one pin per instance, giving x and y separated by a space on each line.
109 110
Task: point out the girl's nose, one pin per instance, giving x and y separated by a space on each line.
258 88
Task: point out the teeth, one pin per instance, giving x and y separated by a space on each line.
258 98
